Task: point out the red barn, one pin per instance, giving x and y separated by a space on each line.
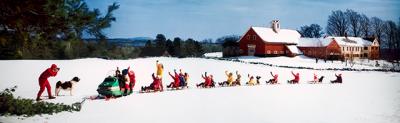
263 41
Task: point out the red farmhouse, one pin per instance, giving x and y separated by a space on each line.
263 41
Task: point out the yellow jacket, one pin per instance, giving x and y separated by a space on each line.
252 81
230 78
160 69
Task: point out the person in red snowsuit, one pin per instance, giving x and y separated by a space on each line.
207 81
176 82
132 79
274 80
156 85
296 78
44 83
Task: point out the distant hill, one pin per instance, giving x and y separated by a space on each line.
135 41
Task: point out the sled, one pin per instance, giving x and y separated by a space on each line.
178 88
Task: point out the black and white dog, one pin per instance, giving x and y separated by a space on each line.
67 85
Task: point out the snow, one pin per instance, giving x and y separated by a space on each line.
342 41
364 97
352 41
214 54
313 42
294 49
304 61
283 36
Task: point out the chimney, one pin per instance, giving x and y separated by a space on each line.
275 26
345 35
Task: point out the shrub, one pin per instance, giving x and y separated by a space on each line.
9 105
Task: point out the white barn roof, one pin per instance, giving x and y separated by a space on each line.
294 49
342 41
352 41
283 35
313 42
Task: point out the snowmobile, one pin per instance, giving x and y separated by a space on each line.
110 87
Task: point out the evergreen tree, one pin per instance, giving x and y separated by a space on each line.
177 46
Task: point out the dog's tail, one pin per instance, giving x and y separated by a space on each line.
58 84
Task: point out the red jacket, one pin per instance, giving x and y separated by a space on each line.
276 77
296 77
131 75
156 83
315 77
207 81
176 79
47 73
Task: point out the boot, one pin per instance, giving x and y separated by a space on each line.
51 97
38 99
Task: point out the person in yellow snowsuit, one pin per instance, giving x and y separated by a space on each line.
251 80
229 79
160 69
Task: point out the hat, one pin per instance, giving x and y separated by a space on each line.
53 66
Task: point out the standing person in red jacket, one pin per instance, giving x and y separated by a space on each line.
296 78
132 79
44 83
176 83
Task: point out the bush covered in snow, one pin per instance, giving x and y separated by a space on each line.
9 105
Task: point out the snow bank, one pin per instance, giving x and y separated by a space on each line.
214 54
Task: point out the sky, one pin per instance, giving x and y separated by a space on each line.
204 19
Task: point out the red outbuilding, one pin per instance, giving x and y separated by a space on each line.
264 41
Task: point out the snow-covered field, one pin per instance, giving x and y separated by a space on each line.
304 61
364 97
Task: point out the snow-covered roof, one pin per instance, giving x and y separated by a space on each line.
283 35
294 49
351 41
313 42
342 41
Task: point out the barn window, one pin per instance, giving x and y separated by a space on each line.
343 48
281 52
365 48
248 37
275 52
254 37
268 51
347 48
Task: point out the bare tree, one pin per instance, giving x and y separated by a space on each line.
353 19
377 27
365 25
390 33
312 31
398 42
337 24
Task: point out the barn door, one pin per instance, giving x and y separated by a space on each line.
251 49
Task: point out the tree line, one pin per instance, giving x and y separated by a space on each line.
52 29
55 29
352 23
